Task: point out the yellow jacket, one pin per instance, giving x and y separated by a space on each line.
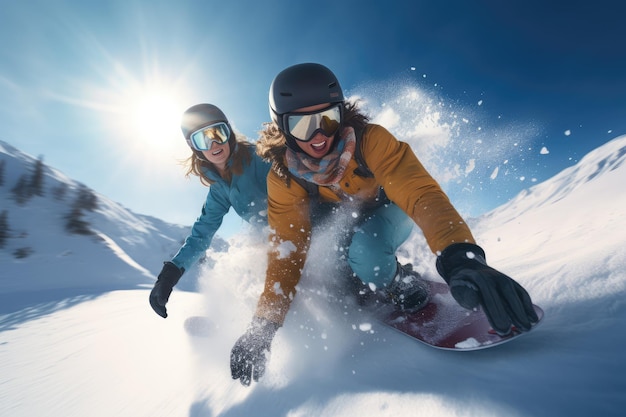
406 183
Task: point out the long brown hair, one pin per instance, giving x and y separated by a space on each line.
240 156
272 143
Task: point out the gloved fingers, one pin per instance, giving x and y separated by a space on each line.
512 303
160 310
517 302
238 370
157 306
495 307
246 374
504 302
527 303
259 369
235 368
241 364
519 319
465 293
471 288
520 306
246 369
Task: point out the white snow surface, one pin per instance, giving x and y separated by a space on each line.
78 338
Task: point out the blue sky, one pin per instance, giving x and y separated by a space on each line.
495 96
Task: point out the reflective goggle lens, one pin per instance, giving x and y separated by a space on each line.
202 139
303 126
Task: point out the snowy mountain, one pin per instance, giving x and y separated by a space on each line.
119 249
603 160
111 355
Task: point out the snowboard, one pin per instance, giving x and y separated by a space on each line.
444 324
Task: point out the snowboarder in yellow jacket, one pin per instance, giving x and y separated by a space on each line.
323 150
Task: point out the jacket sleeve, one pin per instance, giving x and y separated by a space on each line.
412 188
290 231
206 225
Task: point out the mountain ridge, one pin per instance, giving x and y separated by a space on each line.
135 245
604 159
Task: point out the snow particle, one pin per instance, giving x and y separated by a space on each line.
468 344
365 327
278 289
285 249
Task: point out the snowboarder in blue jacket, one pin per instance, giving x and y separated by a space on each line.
236 177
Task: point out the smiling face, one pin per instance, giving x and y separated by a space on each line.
218 155
321 144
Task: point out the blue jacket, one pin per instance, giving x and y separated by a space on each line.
246 194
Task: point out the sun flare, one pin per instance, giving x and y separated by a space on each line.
154 116
140 118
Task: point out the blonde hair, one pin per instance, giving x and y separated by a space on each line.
241 152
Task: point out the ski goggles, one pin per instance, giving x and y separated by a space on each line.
202 139
304 126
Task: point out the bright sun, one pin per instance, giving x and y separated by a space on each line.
155 118
144 115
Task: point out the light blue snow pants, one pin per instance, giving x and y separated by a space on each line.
372 250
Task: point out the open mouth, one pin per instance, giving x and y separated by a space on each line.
318 146
217 152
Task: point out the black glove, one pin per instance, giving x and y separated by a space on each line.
251 351
472 283
169 276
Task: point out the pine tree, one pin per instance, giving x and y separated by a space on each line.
60 191
2 165
4 228
21 191
75 223
86 199
36 180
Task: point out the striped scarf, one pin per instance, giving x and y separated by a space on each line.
328 170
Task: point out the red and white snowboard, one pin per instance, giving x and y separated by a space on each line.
444 324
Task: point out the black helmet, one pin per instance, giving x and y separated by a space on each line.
302 85
199 116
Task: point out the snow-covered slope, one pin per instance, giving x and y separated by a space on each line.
124 250
572 223
562 239
603 161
